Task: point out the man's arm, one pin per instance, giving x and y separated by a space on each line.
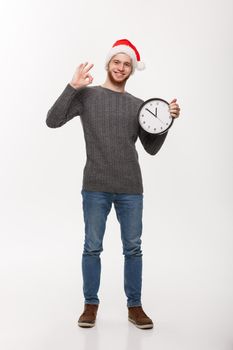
151 142
69 103
67 106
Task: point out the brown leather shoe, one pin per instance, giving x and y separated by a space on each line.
88 317
137 316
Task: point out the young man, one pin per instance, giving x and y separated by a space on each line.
112 172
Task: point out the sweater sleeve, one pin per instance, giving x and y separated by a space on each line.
68 105
151 142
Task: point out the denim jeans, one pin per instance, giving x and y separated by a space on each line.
128 207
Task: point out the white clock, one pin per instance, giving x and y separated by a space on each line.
154 116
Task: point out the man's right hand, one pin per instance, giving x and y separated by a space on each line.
82 76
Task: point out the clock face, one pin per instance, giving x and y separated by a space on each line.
154 116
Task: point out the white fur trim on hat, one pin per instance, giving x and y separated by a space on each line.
141 65
123 49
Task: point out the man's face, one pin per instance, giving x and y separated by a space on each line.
119 68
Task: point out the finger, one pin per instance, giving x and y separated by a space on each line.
87 78
88 67
174 115
83 65
79 69
174 108
90 78
172 105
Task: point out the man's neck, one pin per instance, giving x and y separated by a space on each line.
115 87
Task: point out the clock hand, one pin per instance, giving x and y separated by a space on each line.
155 115
160 120
150 112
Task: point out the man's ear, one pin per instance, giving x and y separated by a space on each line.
107 67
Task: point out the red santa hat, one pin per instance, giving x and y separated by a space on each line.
125 46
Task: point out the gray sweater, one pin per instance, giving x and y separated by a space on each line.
111 128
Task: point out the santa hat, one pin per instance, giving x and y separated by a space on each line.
125 46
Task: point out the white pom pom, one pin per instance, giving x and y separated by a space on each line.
141 65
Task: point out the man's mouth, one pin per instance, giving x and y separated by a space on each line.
118 73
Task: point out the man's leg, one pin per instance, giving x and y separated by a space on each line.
96 207
129 209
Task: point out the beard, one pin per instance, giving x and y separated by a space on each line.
117 82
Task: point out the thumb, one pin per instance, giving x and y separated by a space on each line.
174 100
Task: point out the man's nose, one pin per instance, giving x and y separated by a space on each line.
121 66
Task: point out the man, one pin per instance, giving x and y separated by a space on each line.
112 172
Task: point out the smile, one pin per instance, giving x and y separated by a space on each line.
118 73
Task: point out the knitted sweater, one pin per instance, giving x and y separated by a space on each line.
111 128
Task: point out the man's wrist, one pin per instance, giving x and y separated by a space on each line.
75 86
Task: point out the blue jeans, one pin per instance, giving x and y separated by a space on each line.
128 207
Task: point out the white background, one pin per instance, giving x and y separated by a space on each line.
187 222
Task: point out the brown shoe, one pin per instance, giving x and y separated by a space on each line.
137 316
88 317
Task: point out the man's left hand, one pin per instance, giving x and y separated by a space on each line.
174 108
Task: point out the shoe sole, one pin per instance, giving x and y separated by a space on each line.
145 326
86 324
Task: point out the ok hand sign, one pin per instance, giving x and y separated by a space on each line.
82 77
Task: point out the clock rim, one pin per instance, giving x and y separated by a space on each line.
143 104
